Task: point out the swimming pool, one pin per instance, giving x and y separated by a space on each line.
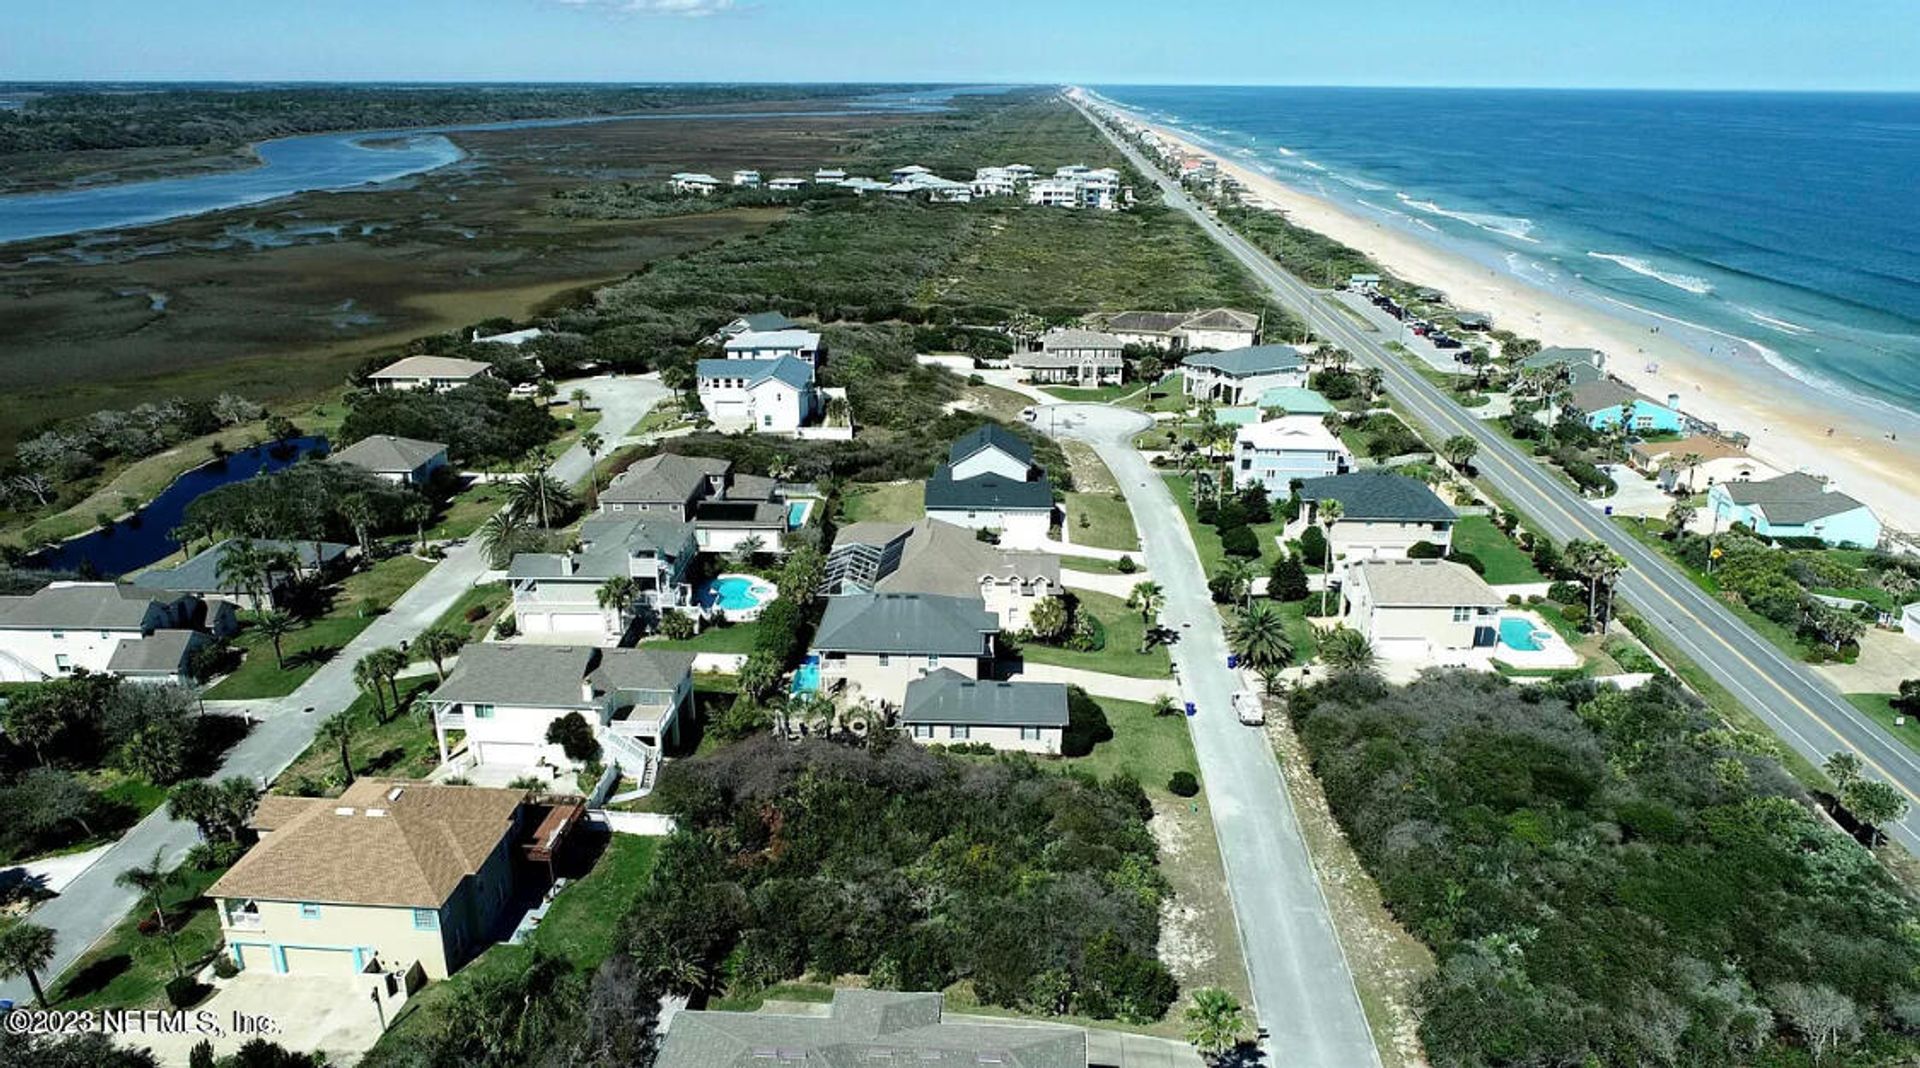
797 514
806 677
737 596
1519 634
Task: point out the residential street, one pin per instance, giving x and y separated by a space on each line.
1302 989
1796 704
93 903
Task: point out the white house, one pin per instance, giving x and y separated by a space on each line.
1414 609
1278 451
502 698
787 185
693 182
945 706
1715 461
1795 505
829 176
1222 329
1239 376
557 596
995 182
990 482
86 626
773 344
511 338
404 460
436 373
941 558
726 509
1074 357
1382 516
1054 193
877 644
775 395
746 179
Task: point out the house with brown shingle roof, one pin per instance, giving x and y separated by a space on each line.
388 877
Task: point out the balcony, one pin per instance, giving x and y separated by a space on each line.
450 719
244 921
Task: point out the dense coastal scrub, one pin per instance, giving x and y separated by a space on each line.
1611 878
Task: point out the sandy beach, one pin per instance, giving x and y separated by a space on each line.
1720 379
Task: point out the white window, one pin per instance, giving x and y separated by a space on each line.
59 635
482 711
933 660
426 920
885 660
1029 734
923 730
1462 613
959 731
62 661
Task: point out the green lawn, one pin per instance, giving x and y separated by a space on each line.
402 746
1095 395
493 597
1167 395
1120 656
902 502
1094 564
1109 521
319 639
467 510
1506 564
733 638
1879 708
127 969
1207 540
1148 747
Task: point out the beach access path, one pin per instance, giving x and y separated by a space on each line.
1303 990
1796 704
93 902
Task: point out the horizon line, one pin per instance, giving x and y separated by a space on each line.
1011 84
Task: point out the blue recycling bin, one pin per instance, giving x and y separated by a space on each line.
1191 710
1233 660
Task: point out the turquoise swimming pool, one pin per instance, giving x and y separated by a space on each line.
806 677
797 514
736 593
1519 634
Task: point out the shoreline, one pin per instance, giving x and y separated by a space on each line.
1719 379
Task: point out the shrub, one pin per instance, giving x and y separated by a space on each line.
1086 724
1240 541
1288 580
224 967
1471 561
1567 593
1425 550
184 992
574 737
1126 566
506 628
1183 784
1313 545
677 626
476 613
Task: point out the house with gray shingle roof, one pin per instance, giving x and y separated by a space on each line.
81 626
1795 505
200 574
725 508
946 706
990 482
864 1028
409 461
931 557
1240 376
435 373
1414 609
752 322
772 395
1382 515
1071 356
502 697
878 643
557 596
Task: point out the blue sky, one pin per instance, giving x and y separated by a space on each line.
1781 44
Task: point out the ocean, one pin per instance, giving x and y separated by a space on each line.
1784 221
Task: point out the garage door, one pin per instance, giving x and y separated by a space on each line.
303 960
508 752
256 959
574 622
1401 648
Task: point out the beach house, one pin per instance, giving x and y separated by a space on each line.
772 344
206 575
1278 452
1240 376
562 596
408 461
1795 505
1415 609
1214 328
435 373
753 322
1382 516
66 627
787 185
944 707
1073 357
693 182
1692 464
403 878
990 482
1605 403
502 699
776 395
933 557
726 509
746 179
873 645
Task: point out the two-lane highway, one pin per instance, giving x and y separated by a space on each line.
1801 708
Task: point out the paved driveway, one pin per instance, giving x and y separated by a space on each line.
1302 989
306 1013
93 903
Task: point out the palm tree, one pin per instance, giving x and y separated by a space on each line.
275 626
538 494
1348 652
389 663
504 535
1691 461
242 568
357 509
366 675
1329 513
1148 598
546 390
1459 450
593 443
338 730
579 397
1238 574
1680 515
780 467
1215 1023
152 882
418 512
26 949
618 594
437 644
1259 636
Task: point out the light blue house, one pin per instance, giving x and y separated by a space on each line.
1295 400
1795 506
1606 403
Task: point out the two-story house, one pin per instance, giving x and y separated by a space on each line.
1605 403
1214 328
990 482
1415 609
90 626
1240 376
875 644
557 597
1074 357
752 322
777 395
397 878
930 557
1279 451
792 341
1382 515
503 697
1795 505
726 509
434 373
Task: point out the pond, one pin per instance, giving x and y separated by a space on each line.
147 537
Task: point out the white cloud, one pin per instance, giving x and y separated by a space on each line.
686 9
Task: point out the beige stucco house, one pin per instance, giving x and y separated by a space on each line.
930 557
873 645
1382 515
388 877
435 373
1414 609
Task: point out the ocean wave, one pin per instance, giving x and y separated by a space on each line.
1691 283
1510 226
1790 328
1361 183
